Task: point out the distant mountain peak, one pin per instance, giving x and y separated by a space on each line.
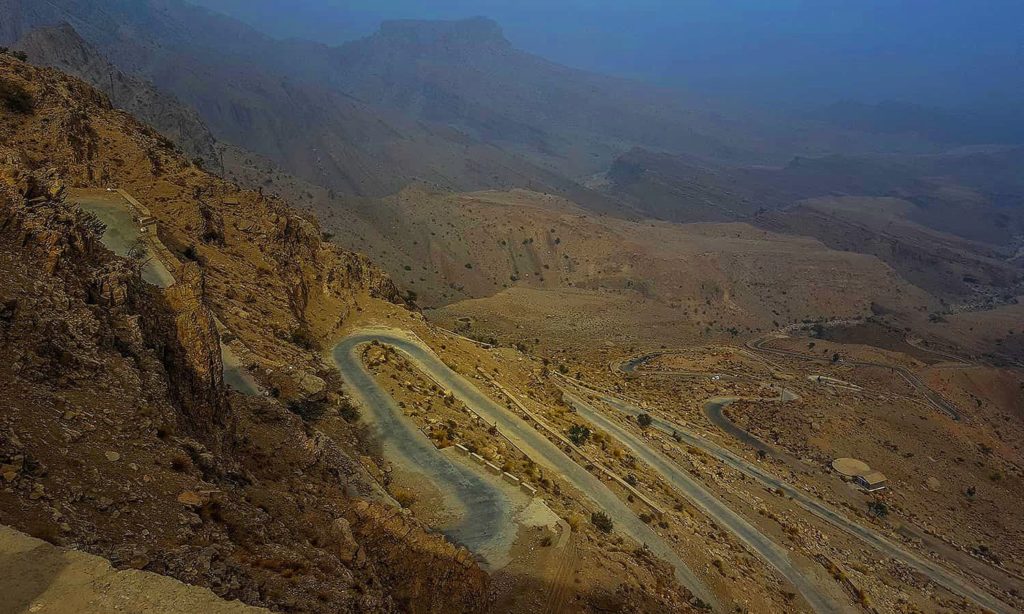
467 32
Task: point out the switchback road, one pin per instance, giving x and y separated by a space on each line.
522 434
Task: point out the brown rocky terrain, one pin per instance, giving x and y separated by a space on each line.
529 261
119 436
267 499
947 223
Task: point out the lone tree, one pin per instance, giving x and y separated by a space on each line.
878 508
602 521
644 420
579 434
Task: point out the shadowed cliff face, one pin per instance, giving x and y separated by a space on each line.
194 353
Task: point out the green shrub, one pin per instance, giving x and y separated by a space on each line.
602 521
878 508
579 434
304 339
308 410
348 411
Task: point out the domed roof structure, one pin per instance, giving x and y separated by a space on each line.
850 467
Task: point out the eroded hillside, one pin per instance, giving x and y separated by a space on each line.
521 259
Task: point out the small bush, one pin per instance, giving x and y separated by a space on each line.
308 410
878 508
18 55
579 434
405 497
644 420
348 411
602 521
181 463
302 338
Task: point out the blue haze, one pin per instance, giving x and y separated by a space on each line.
790 53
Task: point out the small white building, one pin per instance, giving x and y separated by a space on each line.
872 481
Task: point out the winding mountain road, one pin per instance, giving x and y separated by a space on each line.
713 507
933 570
935 399
519 432
485 525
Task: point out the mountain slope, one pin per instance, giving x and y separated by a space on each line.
450 103
118 433
468 75
62 48
271 98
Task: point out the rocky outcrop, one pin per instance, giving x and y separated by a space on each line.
400 545
176 322
212 225
313 266
193 358
35 574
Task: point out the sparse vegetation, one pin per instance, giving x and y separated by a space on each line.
404 496
878 509
579 434
602 521
302 338
644 420
348 410
17 55
138 252
308 409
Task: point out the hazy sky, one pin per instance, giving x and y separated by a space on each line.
799 52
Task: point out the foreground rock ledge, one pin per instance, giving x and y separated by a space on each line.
38 577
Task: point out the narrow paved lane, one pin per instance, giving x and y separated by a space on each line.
714 409
521 433
942 576
777 557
